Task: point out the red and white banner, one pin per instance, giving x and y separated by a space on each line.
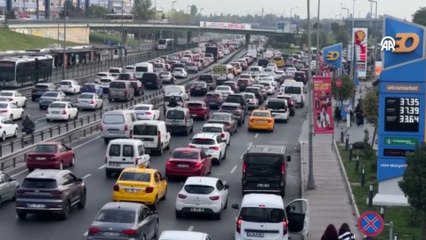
360 41
322 105
224 25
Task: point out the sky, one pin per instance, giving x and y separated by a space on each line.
329 8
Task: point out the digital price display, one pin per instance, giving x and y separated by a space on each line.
402 114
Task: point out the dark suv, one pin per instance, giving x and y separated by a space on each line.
41 88
151 80
238 98
53 191
265 169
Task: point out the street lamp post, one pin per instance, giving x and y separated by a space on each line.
353 51
291 13
347 12
65 41
155 22
311 180
162 23
375 28
318 37
123 35
188 8
199 26
173 21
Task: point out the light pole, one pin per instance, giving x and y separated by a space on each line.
173 21
199 25
347 12
155 22
318 36
65 41
353 51
311 180
188 8
375 27
162 23
123 35
291 13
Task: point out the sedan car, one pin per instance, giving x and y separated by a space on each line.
140 184
167 78
8 186
104 83
124 220
51 96
233 84
49 155
269 87
14 97
202 195
70 86
146 112
261 120
213 99
235 109
89 101
227 119
188 162
198 109
219 129
39 89
179 73
11 111
252 101
289 72
198 88
224 90
92 88
7 128
59 110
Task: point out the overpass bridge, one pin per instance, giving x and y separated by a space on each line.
78 30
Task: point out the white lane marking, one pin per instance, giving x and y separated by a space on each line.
19 173
190 228
248 147
87 175
85 234
257 135
234 168
86 142
101 167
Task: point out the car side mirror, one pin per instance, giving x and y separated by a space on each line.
235 206
288 158
226 186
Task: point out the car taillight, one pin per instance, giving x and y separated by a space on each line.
168 163
269 120
214 198
282 168
126 127
4 110
149 189
92 102
285 227
64 112
116 187
182 196
148 113
198 164
252 120
214 148
244 167
222 135
129 232
191 146
10 99
238 225
56 192
93 230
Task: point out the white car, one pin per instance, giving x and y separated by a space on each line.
115 71
104 83
219 129
270 79
270 88
179 73
130 69
289 72
272 66
279 109
70 86
146 112
269 71
212 144
11 111
102 74
60 110
252 101
89 101
7 128
279 74
202 195
14 96
183 235
224 90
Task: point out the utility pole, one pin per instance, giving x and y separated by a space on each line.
353 51
317 69
64 61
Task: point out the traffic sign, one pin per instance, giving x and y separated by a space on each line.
370 223
338 83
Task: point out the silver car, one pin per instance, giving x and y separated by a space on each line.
8 186
124 220
89 101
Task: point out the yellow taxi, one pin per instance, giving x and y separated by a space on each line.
261 120
279 61
140 184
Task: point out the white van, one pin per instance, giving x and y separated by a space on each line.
183 235
296 90
179 120
117 124
264 216
124 153
154 135
176 89
141 68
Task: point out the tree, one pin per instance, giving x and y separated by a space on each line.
371 109
413 182
96 11
194 11
72 11
419 16
142 9
335 27
346 91
342 36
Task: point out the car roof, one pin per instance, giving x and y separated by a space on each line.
260 199
140 170
9 91
124 140
182 235
187 149
148 122
210 181
143 105
221 125
46 173
231 104
64 102
122 205
261 110
205 135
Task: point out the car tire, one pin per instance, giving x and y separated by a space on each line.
66 211
178 214
154 206
229 142
21 215
108 173
3 137
186 133
217 216
15 134
160 150
226 204
106 140
25 104
76 116
72 161
82 201
11 117
164 197
224 155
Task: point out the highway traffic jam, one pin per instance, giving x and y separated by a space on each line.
213 160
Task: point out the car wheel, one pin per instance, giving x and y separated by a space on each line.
108 173
82 203
229 142
187 132
106 140
21 215
224 155
25 104
69 117
178 214
76 116
15 134
3 137
154 205
160 149
226 204
143 237
72 161
218 215
11 117
164 197
66 211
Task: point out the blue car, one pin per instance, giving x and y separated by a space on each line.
92 88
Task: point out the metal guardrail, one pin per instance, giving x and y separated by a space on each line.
80 127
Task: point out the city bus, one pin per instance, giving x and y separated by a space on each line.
25 71
118 17
164 44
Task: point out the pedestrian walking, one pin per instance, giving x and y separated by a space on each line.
359 114
330 233
345 232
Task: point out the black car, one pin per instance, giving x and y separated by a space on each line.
262 62
50 191
209 79
257 92
41 88
238 98
51 96
151 80
198 88
300 76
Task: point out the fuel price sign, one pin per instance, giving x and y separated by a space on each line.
402 114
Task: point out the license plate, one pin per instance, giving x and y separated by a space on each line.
56 112
197 210
193 115
183 165
261 121
36 205
263 184
114 164
113 131
131 190
111 234
197 88
255 234
40 158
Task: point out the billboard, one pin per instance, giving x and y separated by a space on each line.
322 105
359 41
286 27
332 55
224 25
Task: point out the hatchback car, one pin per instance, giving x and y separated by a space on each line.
7 128
290 102
234 86
218 128
198 109
50 155
92 88
40 88
122 220
212 144
61 111
213 99
14 97
198 88
51 96
69 86
235 109
202 195
230 122
224 90
8 186
188 162
89 101
179 73
252 101
167 78
11 111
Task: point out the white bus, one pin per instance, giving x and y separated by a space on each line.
164 44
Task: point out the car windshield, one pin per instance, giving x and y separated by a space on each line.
195 105
6 94
169 98
116 70
198 189
66 83
189 155
57 105
113 119
86 96
211 129
223 88
229 107
249 96
3 105
116 216
262 214
41 87
175 114
221 117
261 114
45 148
164 74
39 183
117 85
50 94
276 104
150 130
211 95
105 80
135 176
293 90
102 75
203 141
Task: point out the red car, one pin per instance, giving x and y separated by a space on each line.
188 162
50 155
198 109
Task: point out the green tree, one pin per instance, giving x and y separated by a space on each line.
342 36
72 11
419 16
346 91
142 9
96 11
413 182
370 105
194 11
335 27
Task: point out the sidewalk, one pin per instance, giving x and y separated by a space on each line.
330 202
